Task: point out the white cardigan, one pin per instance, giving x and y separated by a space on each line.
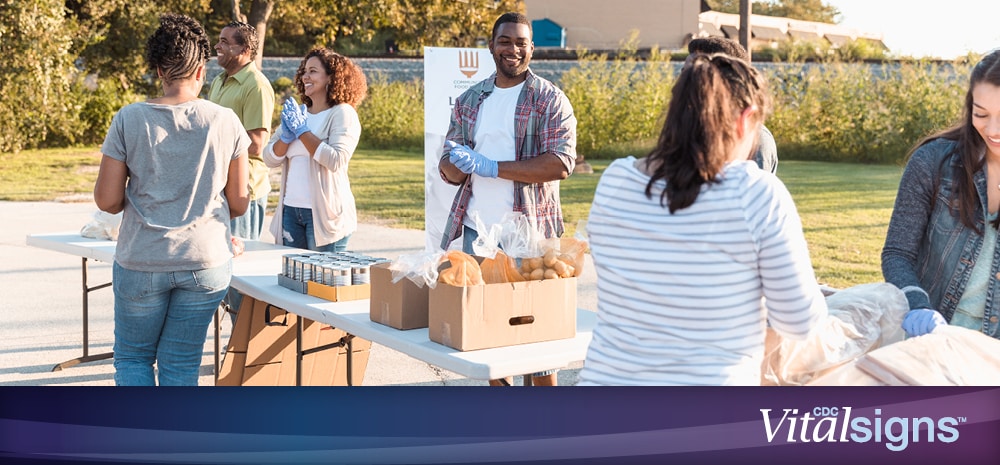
334 212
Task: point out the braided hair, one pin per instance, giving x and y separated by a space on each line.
178 47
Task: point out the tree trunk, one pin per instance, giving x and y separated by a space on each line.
237 14
260 12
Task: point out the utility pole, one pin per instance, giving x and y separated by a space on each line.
745 25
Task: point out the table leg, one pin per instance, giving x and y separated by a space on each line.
86 358
299 353
218 347
298 350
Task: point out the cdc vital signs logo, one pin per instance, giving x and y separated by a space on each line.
841 424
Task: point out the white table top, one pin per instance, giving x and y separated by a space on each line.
255 274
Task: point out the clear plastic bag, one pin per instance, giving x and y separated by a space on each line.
526 253
421 268
861 319
514 234
103 225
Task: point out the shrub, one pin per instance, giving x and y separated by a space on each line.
392 116
35 71
94 102
618 104
861 113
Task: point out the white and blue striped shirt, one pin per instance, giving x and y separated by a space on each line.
684 298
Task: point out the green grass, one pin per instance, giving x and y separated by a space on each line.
845 207
845 210
48 174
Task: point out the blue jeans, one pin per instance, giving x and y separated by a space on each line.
250 225
297 224
469 236
163 318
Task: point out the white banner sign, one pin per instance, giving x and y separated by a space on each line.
447 73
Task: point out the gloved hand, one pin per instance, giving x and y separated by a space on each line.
287 135
459 158
920 321
294 117
470 161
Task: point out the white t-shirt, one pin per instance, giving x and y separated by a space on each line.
299 186
492 198
680 295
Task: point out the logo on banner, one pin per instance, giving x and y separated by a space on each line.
835 424
468 62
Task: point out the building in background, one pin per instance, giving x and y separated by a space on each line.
670 25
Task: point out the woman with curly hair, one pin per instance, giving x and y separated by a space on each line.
314 145
177 166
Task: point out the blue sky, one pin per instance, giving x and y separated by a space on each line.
939 28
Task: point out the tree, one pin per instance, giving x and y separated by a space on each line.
36 67
805 10
111 35
448 22
260 13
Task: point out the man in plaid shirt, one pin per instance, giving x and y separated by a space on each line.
512 138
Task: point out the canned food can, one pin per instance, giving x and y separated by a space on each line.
342 275
359 274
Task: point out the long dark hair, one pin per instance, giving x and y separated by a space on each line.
698 135
970 145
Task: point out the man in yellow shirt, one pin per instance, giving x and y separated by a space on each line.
244 89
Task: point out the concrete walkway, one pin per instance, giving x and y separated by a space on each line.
41 307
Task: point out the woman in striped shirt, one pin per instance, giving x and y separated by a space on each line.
696 249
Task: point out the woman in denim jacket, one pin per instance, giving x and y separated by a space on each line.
941 246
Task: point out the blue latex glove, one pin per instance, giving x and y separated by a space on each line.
920 321
470 161
294 117
287 135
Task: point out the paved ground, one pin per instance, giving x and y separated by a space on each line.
40 305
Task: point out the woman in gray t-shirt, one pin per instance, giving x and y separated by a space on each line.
177 166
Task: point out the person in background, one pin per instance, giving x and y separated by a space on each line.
766 152
941 245
511 139
687 241
244 89
314 145
177 166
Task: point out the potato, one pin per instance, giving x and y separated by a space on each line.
537 274
526 275
526 265
550 257
550 274
568 259
569 272
560 268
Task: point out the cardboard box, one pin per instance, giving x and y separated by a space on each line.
262 350
401 305
288 283
497 315
339 293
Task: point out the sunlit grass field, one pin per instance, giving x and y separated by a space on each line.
845 207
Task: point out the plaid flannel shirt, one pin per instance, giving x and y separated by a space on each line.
544 123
